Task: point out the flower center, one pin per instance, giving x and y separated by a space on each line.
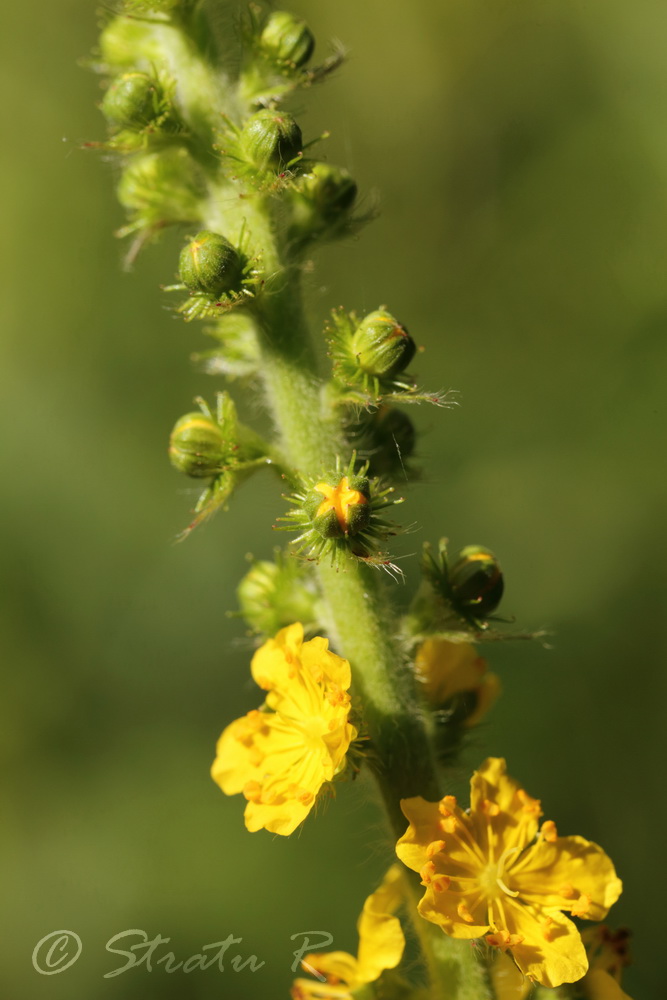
491 878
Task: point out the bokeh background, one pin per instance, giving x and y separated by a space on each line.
520 153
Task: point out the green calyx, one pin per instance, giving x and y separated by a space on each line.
321 200
287 40
210 265
386 438
381 345
197 446
272 595
270 140
160 188
132 101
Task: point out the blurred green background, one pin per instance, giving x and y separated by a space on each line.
520 153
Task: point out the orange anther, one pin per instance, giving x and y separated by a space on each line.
427 873
582 906
448 824
447 805
465 913
549 831
529 805
435 848
252 791
255 756
547 932
501 939
490 808
441 882
567 891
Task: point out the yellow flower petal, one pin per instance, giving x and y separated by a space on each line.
488 692
551 950
516 813
447 909
381 938
381 946
570 873
448 668
235 764
599 985
424 818
272 664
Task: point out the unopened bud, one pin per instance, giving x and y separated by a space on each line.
197 446
210 264
132 101
271 139
340 507
163 186
322 197
476 581
381 345
287 39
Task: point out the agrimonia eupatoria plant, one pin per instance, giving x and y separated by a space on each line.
347 682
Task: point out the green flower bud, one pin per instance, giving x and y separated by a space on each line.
340 507
321 197
270 139
127 41
287 39
381 345
275 594
209 264
197 446
385 437
131 101
159 187
475 581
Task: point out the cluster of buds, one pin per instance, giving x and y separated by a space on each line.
339 515
217 447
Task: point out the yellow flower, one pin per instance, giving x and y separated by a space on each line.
486 874
281 755
449 668
381 945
